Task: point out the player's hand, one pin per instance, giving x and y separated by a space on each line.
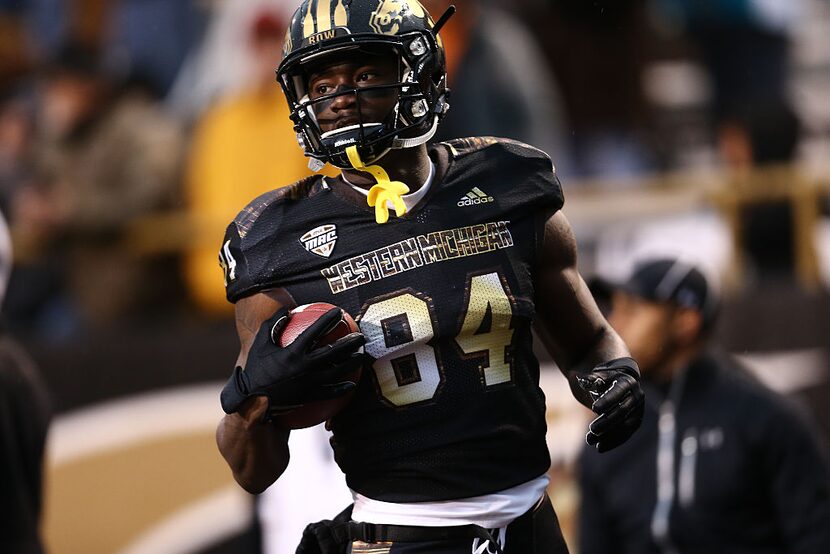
618 399
298 373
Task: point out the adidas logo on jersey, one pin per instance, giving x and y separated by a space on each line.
320 240
475 197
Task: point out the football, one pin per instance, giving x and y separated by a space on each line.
301 319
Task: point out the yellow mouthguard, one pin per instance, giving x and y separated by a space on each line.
384 191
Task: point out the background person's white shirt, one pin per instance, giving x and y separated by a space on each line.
311 489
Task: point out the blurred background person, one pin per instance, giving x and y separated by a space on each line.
105 154
15 57
501 85
598 51
721 463
745 47
152 38
627 86
24 421
243 145
16 130
220 64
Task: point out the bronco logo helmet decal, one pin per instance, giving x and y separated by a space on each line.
389 15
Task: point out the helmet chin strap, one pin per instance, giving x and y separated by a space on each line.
384 191
419 140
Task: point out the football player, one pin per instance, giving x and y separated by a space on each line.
447 255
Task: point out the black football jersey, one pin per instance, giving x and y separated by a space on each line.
451 406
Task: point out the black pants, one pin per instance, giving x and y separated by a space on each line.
535 532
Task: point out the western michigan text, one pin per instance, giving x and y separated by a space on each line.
409 254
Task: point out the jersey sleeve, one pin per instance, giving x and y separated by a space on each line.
519 177
523 176
541 190
248 255
541 193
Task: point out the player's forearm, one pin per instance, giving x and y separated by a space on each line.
256 452
607 345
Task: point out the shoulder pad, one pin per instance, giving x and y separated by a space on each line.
465 146
245 252
246 218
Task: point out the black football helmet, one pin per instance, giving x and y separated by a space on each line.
322 28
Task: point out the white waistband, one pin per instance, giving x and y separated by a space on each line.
491 511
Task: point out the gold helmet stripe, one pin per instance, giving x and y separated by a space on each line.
324 19
308 22
341 18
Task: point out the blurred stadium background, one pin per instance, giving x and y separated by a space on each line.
131 131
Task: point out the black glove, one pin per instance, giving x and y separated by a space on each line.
618 399
299 373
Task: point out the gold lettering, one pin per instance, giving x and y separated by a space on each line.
387 264
431 246
465 241
416 252
494 236
325 35
506 237
373 264
480 234
336 283
362 271
450 244
412 255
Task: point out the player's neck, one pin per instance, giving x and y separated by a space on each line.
408 165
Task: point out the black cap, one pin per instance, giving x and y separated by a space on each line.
667 280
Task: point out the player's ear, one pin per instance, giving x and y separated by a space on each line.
687 324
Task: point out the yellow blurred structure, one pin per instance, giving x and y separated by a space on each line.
242 147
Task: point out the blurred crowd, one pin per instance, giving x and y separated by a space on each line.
132 131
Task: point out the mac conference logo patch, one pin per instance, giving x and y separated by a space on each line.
320 240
